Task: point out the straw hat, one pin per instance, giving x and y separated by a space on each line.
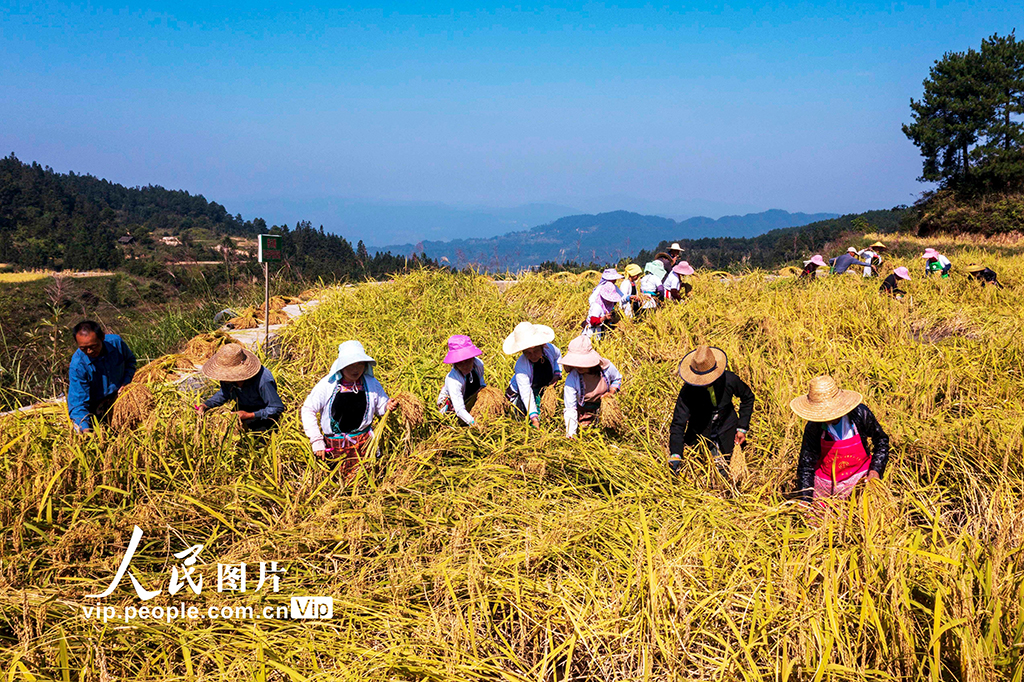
878 245
581 354
825 401
703 365
632 270
975 268
675 247
817 260
231 363
902 272
527 335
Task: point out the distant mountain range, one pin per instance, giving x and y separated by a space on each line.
605 237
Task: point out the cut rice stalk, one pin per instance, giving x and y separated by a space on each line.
411 409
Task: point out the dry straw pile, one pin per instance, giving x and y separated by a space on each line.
511 553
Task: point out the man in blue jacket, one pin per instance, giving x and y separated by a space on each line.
840 264
100 368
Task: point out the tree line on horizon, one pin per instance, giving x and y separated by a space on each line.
73 222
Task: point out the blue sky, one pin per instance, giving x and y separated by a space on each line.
732 107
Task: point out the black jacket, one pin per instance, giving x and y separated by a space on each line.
889 286
695 415
810 449
987 276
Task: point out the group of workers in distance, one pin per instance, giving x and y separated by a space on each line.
871 260
638 290
338 414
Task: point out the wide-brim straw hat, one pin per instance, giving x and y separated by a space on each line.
675 247
825 401
878 245
632 270
703 365
581 354
975 268
231 363
527 335
902 272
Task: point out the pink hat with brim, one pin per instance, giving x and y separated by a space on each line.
609 292
581 354
683 268
902 273
818 260
460 348
930 253
610 275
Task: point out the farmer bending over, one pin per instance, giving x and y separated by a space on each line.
590 378
936 262
676 289
465 379
840 264
339 410
538 367
810 270
101 367
704 409
834 453
890 285
246 381
984 275
602 315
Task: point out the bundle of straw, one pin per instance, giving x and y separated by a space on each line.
549 403
201 348
132 405
244 322
163 369
411 409
490 404
611 413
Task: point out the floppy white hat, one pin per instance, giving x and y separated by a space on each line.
527 335
350 352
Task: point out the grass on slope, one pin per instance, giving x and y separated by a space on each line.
515 554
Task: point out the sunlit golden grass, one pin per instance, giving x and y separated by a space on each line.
512 553
22 277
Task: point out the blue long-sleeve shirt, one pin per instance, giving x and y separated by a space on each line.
91 381
841 264
257 395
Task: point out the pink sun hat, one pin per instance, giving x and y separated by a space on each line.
582 354
902 273
610 275
460 347
817 260
683 268
930 253
609 292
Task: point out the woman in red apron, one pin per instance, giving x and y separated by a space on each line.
834 455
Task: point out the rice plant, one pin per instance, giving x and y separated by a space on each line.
513 553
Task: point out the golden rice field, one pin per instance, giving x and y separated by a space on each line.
508 553
22 277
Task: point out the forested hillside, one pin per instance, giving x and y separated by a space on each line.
70 221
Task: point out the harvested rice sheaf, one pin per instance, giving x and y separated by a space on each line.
201 348
490 404
611 413
549 403
164 369
738 470
243 322
411 409
134 403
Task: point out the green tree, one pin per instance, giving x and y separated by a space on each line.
967 125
